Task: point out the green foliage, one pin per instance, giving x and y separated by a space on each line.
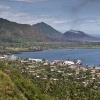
67 90
21 87
8 90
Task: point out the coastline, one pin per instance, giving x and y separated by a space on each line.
36 50
20 51
87 56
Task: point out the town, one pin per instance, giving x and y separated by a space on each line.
56 70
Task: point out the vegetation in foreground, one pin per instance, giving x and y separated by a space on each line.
15 85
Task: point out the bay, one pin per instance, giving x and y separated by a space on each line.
87 56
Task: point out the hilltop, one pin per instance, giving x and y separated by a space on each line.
49 31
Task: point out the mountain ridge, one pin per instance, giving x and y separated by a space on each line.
12 32
40 32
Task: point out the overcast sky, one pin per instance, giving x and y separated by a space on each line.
63 15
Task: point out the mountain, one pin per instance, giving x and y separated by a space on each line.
40 32
48 30
79 36
14 32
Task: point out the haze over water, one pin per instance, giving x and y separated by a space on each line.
87 56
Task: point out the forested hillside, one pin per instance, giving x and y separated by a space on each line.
14 86
14 32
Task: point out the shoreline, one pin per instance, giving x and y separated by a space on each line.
83 55
36 50
18 52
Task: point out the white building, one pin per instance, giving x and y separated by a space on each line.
36 60
79 62
68 63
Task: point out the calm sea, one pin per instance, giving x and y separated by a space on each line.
87 56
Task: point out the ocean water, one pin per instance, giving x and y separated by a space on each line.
87 56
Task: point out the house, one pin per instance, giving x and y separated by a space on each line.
79 62
68 63
12 57
36 60
56 61
3 56
46 64
53 68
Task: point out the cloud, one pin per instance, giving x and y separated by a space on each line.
4 7
33 1
75 10
60 21
27 18
88 20
81 4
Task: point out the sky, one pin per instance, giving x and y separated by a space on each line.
63 15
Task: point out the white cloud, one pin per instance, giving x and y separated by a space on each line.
60 21
33 1
26 18
4 7
74 23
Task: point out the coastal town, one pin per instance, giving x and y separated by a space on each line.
49 50
56 70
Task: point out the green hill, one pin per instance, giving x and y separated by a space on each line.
14 32
8 90
47 29
14 86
